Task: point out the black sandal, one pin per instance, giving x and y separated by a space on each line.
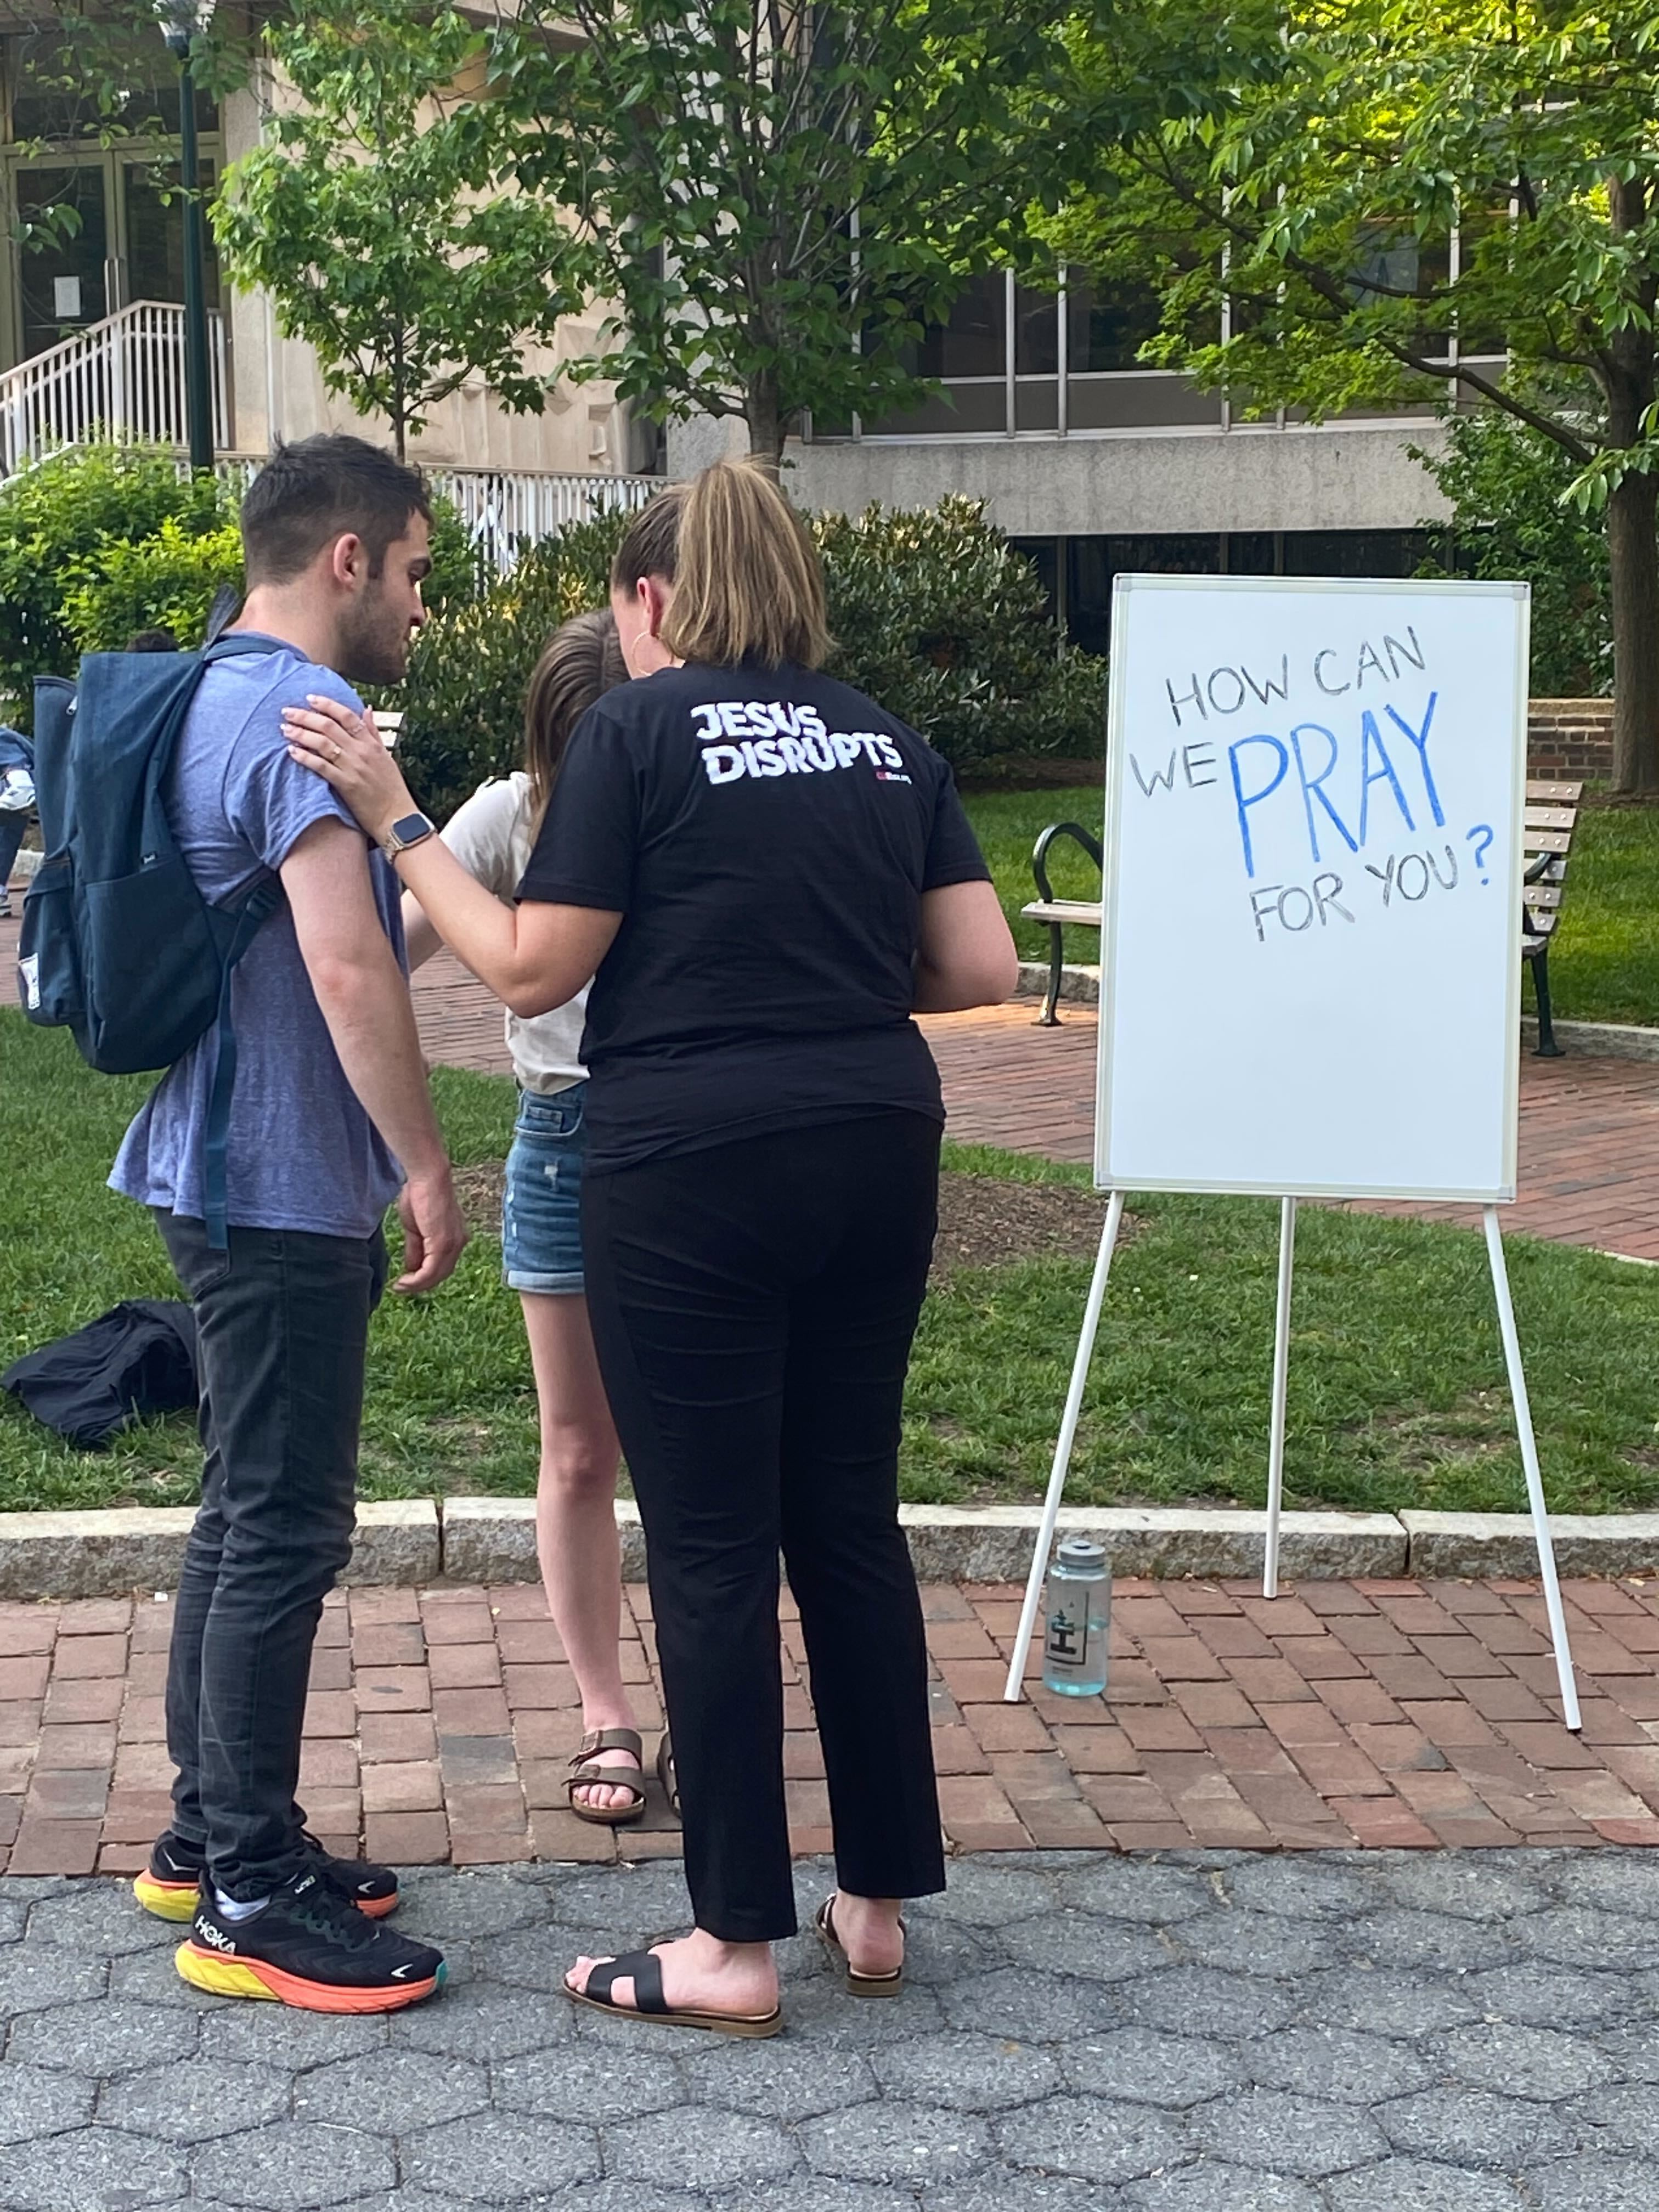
858 1985
586 1773
645 1969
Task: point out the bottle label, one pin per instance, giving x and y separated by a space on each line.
1066 1643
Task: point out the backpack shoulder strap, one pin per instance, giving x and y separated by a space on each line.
251 916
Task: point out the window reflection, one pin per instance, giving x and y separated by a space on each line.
1037 332
1107 323
973 342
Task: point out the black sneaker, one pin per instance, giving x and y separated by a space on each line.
306 1946
168 1883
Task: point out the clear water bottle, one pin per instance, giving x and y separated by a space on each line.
1076 1620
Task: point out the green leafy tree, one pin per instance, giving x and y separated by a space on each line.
1290 180
782 193
1509 487
378 216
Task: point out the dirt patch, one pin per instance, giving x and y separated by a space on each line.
984 1221
479 1190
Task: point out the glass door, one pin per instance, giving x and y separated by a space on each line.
152 241
63 281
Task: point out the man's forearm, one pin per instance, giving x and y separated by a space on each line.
366 1004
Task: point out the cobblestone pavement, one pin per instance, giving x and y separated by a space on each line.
1200 2033
1386 1714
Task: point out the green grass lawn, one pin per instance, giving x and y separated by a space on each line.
1604 965
1396 1381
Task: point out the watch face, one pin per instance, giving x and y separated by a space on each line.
412 826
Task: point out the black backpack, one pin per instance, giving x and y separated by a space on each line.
118 945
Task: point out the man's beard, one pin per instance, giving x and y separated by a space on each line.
371 651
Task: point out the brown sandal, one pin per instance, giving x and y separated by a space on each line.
584 1772
858 1985
666 1774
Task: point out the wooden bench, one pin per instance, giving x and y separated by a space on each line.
1550 819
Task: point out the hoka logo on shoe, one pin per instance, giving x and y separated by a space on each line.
214 1938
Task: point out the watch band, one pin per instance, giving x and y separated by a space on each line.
408 830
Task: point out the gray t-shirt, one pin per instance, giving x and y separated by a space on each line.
302 1154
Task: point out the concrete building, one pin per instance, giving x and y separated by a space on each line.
77 351
1097 464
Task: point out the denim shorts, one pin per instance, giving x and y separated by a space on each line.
541 1200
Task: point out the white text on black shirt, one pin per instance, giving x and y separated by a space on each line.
774 737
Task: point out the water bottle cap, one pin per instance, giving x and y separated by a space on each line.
1082 1551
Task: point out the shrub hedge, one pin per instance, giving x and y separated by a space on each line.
933 612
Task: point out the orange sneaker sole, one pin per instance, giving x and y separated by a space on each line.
254 1978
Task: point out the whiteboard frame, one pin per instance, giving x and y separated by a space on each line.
1117 757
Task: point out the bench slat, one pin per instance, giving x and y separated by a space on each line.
1551 817
1570 793
1542 895
1085 913
1546 840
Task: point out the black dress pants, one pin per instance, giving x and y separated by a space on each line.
753 1306
282 1323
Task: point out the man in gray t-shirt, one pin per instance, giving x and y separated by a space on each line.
331 1121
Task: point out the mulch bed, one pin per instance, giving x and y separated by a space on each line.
984 1221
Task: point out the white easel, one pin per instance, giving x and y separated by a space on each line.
1063 1448
1250 1007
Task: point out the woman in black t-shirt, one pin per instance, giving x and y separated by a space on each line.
770 875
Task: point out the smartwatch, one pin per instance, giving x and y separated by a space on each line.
411 830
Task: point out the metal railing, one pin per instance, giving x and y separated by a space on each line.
120 378
505 508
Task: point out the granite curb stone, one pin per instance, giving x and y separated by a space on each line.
417 1542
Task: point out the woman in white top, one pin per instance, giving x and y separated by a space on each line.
491 836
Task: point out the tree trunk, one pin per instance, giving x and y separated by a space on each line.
763 414
1632 549
1633 571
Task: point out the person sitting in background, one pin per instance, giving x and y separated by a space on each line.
16 804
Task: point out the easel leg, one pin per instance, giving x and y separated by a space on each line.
1281 1370
1085 1345
1500 1284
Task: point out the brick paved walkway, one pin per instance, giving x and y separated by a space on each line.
1376 1714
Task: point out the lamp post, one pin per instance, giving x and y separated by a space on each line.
181 21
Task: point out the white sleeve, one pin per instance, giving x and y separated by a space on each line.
479 833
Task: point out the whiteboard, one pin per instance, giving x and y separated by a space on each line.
1310 979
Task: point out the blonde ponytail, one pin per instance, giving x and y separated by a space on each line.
747 584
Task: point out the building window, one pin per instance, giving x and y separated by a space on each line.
1077 573
973 343
1107 325
126 242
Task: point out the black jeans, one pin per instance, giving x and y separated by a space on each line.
753 1306
282 1330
